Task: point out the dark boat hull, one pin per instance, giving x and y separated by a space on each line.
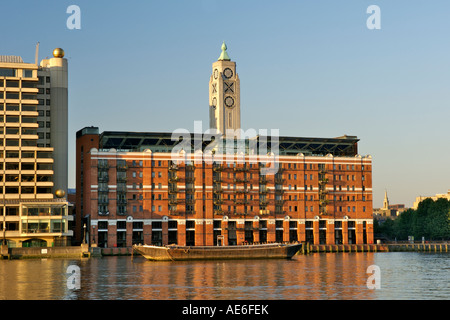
181 253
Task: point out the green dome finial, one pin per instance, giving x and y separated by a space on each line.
224 54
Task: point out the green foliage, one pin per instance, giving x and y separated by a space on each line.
431 220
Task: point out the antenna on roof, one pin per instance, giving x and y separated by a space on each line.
37 54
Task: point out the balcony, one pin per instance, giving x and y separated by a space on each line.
121 167
122 201
103 189
121 178
103 178
103 202
263 179
102 165
173 167
241 201
173 190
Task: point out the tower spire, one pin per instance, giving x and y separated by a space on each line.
386 200
224 54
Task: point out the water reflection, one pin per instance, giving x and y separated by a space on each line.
334 276
315 276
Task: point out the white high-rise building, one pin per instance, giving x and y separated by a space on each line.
33 152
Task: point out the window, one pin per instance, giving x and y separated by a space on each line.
8 72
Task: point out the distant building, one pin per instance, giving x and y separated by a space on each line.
435 197
388 210
131 190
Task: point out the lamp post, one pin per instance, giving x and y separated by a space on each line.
84 233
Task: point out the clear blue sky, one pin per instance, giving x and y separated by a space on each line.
308 68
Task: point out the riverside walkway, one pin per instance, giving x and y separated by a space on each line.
385 247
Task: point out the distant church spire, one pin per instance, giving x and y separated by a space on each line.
386 200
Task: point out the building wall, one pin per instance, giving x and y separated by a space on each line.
30 213
87 138
53 118
310 199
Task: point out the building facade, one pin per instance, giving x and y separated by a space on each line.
32 212
435 197
142 187
135 196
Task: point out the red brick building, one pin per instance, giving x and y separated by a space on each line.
130 194
130 190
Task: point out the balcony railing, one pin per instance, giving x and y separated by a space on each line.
173 190
103 202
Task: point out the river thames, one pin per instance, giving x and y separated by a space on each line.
317 276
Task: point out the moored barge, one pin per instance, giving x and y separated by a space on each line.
182 253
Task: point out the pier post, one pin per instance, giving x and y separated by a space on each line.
4 253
